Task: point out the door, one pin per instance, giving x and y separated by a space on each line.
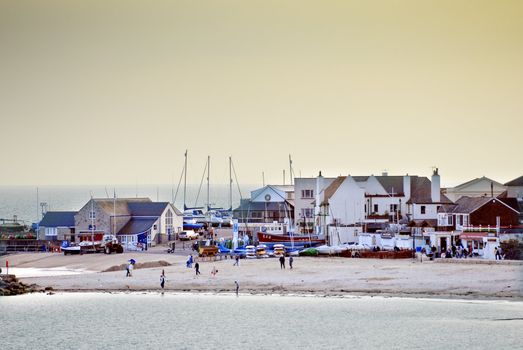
443 244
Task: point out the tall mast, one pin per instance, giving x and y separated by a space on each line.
37 204
114 211
230 183
208 176
290 170
185 181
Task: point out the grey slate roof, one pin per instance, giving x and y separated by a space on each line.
467 205
147 208
420 191
58 219
390 183
137 226
247 205
515 182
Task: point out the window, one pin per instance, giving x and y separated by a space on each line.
307 193
307 212
169 218
423 209
376 208
51 231
393 208
449 220
92 214
169 221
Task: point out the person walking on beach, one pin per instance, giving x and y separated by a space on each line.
282 262
237 287
162 280
129 270
197 268
214 271
236 261
290 262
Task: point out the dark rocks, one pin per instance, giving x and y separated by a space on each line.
9 285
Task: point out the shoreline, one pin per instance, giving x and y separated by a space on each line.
314 276
298 294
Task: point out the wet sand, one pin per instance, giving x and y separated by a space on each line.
327 276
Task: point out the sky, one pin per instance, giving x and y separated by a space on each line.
114 92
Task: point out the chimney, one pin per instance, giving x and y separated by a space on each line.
435 187
406 187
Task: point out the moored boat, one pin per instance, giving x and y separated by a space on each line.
279 250
261 251
250 252
289 239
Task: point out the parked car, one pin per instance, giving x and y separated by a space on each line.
187 235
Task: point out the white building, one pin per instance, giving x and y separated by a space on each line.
305 191
479 187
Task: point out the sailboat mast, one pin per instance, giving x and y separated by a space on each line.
114 211
208 185
230 183
185 181
290 170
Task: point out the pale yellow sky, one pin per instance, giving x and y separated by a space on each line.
113 92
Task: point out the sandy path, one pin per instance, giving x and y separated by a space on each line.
325 276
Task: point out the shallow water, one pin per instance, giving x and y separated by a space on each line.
23 272
195 321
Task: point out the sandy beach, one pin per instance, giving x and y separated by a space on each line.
329 276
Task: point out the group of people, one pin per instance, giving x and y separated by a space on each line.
458 252
282 262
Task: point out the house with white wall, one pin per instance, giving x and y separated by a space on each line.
268 204
478 187
304 197
515 188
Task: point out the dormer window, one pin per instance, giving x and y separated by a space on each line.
92 214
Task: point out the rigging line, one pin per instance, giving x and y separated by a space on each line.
236 179
201 183
178 187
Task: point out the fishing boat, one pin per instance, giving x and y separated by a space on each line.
289 239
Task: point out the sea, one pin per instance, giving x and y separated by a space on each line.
224 321
27 202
